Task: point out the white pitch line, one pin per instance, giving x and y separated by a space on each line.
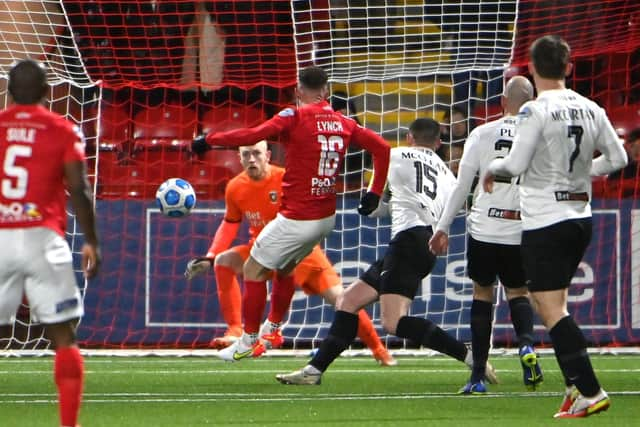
202 398
378 371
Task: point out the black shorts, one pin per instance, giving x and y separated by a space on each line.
405 263
488 261
551 254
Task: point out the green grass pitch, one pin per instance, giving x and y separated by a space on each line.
204 391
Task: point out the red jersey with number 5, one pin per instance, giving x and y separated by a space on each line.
34 146
316 139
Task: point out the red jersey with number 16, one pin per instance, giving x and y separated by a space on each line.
34 146
316 139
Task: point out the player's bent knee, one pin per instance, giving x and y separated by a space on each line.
229 259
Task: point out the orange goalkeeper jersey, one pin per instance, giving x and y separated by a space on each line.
257 201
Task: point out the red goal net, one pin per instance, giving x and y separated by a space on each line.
170 70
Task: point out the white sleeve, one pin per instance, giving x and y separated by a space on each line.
466 173
528 134
613 156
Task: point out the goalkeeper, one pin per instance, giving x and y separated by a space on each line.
255 195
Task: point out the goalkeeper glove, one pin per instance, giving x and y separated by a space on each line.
368 203
199 144
198 266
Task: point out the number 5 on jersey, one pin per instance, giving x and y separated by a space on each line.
15 185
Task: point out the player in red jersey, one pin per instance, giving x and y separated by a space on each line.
315 138
255 194
42 155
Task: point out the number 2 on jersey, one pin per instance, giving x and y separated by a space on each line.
499 146
17 174
423 170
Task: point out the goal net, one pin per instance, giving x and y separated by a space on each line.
40 30
171 70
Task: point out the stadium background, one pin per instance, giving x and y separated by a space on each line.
140 78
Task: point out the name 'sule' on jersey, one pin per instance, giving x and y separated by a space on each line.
419 183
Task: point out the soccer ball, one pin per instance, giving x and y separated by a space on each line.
175 197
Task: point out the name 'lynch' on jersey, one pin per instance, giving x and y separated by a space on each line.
419 183
494 217
566 129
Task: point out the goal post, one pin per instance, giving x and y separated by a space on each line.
143 78
40 30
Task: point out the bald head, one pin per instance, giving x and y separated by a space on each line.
517 91
27 82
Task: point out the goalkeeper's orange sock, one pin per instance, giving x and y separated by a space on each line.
69 373
281 294
367 332
229 298
254 301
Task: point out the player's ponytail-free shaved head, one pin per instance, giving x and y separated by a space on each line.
425 131
314 78
28 82
517 91
550 56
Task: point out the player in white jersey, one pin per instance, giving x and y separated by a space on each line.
494 231
418 184
556 137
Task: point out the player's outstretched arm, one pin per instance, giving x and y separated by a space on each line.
244 136
82 202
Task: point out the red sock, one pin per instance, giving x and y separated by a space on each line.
281 294
254 300
367 332
229 296
69 373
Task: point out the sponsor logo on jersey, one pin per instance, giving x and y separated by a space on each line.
273 196
19 212
321 186
287 112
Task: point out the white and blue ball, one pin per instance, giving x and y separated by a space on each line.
175 197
